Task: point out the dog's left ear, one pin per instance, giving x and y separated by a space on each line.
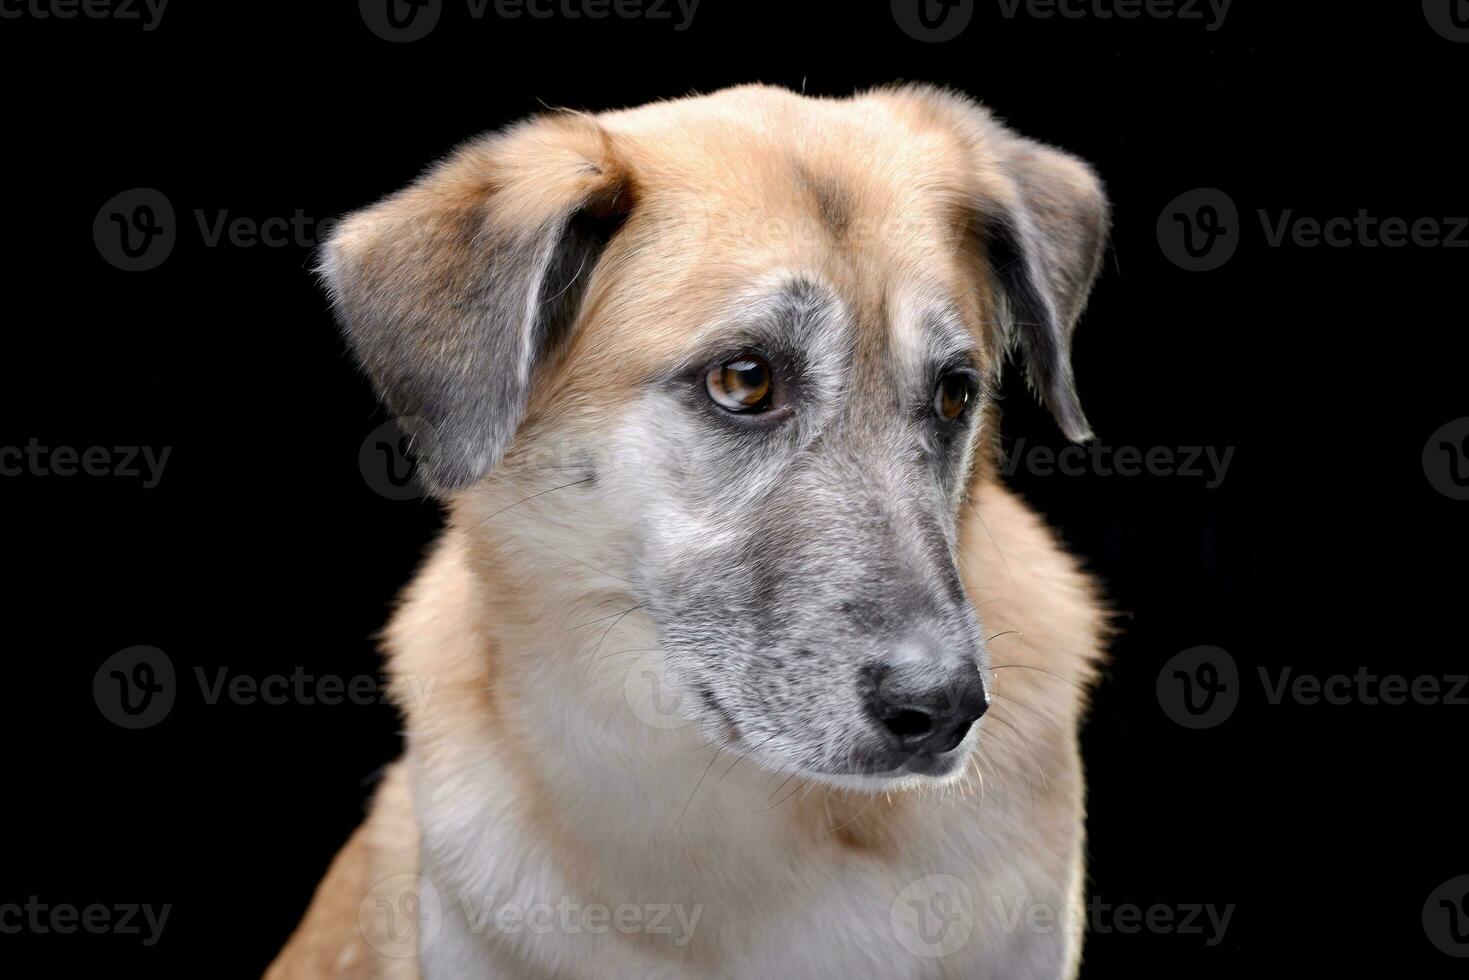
1038 218
455 292
1045 247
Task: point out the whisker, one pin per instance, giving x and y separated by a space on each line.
591 661
539 493
1033 711
747 753
1080 687
702 775
1025 744
590 622
872 798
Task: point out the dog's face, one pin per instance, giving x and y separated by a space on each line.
746 341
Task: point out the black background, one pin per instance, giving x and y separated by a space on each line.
263 548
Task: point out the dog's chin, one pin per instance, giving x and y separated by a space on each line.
914 773
885 775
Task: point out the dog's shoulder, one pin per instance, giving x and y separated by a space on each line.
378 864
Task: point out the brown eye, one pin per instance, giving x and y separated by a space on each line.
740 385
951 397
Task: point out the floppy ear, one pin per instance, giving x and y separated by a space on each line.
1045 247
453 291
1039 217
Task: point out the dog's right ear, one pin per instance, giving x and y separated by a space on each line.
452 292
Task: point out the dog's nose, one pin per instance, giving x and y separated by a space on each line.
926 710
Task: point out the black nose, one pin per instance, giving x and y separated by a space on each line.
925 709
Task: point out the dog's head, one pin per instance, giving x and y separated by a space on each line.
739 349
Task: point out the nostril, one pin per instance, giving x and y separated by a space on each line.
907 723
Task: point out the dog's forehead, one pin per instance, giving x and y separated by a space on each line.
745 195
776 169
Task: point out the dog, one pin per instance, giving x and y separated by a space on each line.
735 658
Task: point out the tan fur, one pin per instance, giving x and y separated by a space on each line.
332 941
720 189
